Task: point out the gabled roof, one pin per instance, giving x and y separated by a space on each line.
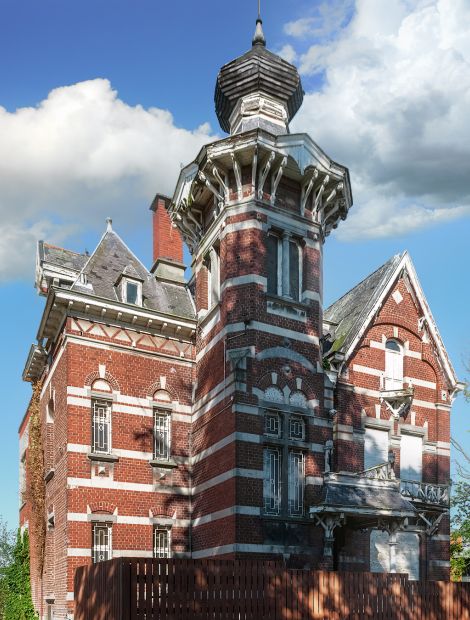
352 314
108 263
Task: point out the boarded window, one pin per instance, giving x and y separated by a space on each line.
273 264
375 447
406 553
411 457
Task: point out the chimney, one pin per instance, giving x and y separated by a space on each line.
167 243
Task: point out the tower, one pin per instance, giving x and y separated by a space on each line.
255 209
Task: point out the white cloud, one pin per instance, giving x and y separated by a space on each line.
288 53
393 107
326 19
80 155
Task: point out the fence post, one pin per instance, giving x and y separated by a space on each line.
124 589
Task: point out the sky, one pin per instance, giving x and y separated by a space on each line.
102 102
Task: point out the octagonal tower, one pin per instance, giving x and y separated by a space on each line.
255 209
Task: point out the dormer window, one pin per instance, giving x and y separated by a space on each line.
131 291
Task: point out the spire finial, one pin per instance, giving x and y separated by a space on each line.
259 38
109 224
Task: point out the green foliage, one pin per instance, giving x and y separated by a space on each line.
460 537
7 541
18 604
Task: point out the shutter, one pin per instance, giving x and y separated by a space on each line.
375 447
379 552
407 554
393 370
411 457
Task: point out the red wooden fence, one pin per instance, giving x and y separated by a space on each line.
145 589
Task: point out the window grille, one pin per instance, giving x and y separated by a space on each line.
272 481
161 542
161 434
101 426
296 483
296 429
102 548
272 425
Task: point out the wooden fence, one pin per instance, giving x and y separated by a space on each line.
145 589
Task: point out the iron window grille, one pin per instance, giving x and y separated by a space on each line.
161 435
101 426
296 483
296 429
273 424
272 481
161 543
102 542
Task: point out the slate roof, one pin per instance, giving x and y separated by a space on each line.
62 258
346 497
351 310
111 259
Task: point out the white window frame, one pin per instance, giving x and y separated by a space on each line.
162 433
101 402
138 284
296 420
102 549
391 358
158 550
272 481
281 265
296 491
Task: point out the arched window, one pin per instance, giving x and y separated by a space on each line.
273 394
298 399
393 365
101 417
161 426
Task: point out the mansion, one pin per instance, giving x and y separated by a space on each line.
232 415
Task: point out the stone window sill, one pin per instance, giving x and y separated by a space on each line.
107 458
163 464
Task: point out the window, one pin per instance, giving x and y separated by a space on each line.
296 429
393 366
411 457
284 266
161 542
213 277
102 542
375 447
272 481
272 424
161 435
296 483
132 291
101 432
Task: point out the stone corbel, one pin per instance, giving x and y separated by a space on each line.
238 176
329 523
277 178
212 188
263 173
319 196
307 187
221 181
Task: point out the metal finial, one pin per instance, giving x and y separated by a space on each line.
109 224
259 38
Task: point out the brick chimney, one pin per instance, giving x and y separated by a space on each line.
167 243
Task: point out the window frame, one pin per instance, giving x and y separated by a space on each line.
157 528
105 400
99 525
390 382
280 264
296 484
166 413
138 284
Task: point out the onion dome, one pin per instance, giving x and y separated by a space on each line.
258 72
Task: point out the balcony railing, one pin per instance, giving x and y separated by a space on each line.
384 471
425 492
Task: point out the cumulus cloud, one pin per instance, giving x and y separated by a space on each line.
78 156
288 53
326 19
393 107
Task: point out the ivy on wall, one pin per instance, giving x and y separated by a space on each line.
17 602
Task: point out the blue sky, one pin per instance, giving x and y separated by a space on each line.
100 103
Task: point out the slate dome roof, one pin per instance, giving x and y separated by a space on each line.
258 70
